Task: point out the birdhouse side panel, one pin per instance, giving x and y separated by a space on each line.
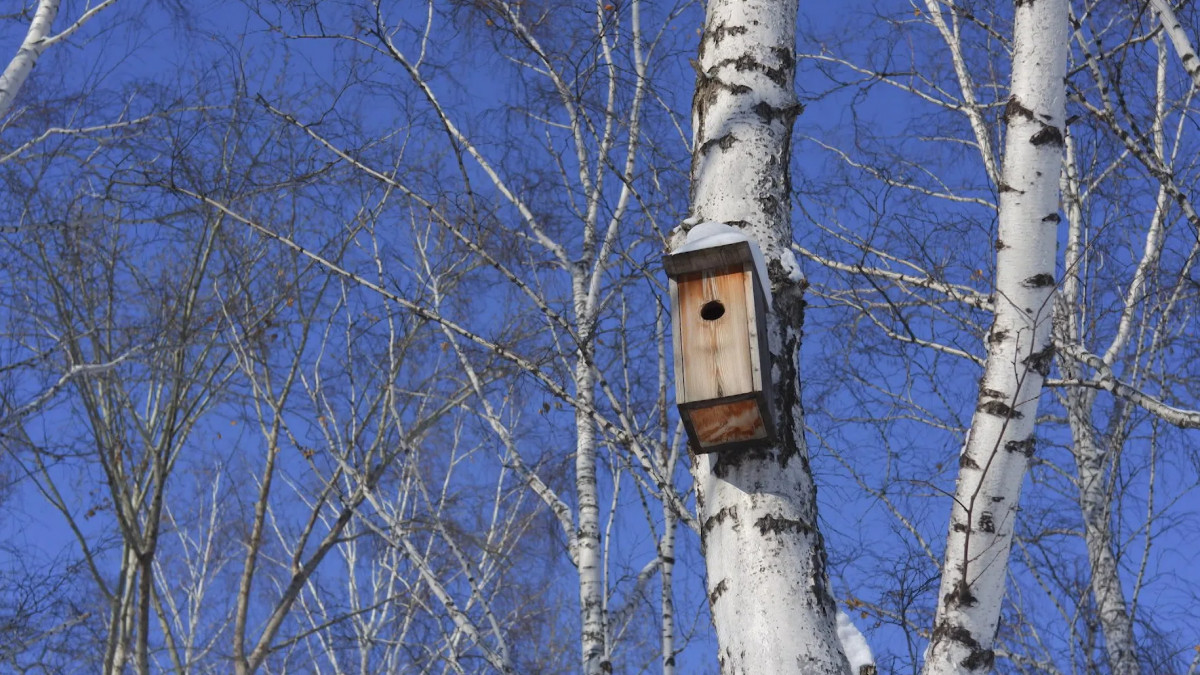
715 357
756 324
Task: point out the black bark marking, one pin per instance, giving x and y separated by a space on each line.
1052 218
765 111
1049 135
965 462
1025 447
959 527
998 336
996 500
1005 187
717 591
769 113
724 142
987 522
984 392
785 56
1039 281
789 307
721 31
944 631
961 595
731 459
769 524
979 658
713 521
1000 244
1014 107
818 588
1039 362
781 76
999 410
770 202
781 282
707 92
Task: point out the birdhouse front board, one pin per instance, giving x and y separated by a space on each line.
718 320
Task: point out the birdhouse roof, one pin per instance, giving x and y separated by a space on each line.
713 245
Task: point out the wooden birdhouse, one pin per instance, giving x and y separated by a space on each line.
722 362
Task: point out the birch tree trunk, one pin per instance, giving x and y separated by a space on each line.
768 589
1092 455
592 643
1179 38
1116 623
1000 442
35 42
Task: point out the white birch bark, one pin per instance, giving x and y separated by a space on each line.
1120 645
37 40
1179 39
592 642
1091 460
666 553
768 590
993 463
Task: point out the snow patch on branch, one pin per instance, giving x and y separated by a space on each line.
853 643
711 235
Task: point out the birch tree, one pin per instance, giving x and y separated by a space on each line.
994 459
757 508
551 241
129 439
39 37
916 297
438 435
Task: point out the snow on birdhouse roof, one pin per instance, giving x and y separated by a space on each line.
712 235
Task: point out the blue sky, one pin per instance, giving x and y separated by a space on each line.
896 448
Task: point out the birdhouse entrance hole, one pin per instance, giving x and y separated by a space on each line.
712 310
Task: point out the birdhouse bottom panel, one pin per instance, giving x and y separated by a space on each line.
727 425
